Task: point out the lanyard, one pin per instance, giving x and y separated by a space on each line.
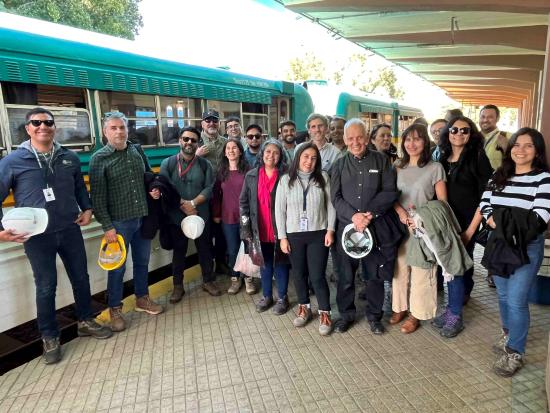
184 172
46 168
305 191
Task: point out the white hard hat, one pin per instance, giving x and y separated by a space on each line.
192 226
357 244
26 220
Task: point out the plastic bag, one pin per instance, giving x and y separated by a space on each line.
244 264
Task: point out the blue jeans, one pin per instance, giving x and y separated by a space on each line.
141 251
233 241
455 289
41 251
269 269
513 293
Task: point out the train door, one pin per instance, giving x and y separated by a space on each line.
279 111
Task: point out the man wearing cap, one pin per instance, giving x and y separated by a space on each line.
210 148
193 178
120 203
359 180
43 174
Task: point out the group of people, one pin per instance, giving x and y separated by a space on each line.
420 207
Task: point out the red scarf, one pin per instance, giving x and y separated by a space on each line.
265 187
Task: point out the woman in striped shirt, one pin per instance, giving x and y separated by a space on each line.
522 183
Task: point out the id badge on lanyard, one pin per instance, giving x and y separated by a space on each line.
49 196
303 215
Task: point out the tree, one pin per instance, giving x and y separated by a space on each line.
115 17
307 67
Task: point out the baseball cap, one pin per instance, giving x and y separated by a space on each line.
26 220
357 244
210 113
112 255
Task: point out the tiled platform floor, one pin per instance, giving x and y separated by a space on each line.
217 354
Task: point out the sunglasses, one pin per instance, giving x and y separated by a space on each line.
187 139
464 131
211 120
257 136
36 122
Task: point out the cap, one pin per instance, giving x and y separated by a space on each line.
357 244
192 226
210 113
26 220
112 255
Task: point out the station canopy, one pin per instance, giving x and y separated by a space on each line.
479 51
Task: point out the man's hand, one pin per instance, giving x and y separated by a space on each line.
110 236
187 208
203 150
285 246
217 220
155 193
84 218
361 220
8 235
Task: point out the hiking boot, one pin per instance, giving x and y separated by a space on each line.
90 327
236 284
264 304
441 319
177 294
52 350
303 316
325 323
499 347
281 306
117 319
212 288
148 306
250 286
452 327
508 363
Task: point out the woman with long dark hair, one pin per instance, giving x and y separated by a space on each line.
418 180
518 191
468 169
305 223
258 225
225 206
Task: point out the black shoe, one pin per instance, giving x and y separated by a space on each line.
264 304
281 306
52 350
377 327
341 325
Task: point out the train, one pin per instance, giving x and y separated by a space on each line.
80 82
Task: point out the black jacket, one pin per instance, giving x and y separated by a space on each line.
506 248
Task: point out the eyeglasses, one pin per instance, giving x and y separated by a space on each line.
235 126
36 122
464 131
436 132
188 139
211 120
257 136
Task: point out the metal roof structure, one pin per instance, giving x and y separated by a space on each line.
479 51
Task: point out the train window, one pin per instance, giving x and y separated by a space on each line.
254 108
225 109
72 125
43 95
256 113
387 118
175 114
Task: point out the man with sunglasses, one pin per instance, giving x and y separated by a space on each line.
193 178
254 139
120 203
43 174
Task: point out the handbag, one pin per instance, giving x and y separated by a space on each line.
244 264
483 235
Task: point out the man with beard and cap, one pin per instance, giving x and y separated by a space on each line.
254 141
336 133
288 139
193 178
496 141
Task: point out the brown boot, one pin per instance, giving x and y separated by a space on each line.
212 288
177 294
410 325
146 305
117 320
396 318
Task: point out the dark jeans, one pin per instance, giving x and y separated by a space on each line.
308 252
203 245
233 241
270 269
41 251
345 287
455 289
468 276
141 252
220 247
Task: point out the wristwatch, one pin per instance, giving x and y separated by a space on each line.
193 204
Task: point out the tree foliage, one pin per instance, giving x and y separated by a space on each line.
114 17
307 67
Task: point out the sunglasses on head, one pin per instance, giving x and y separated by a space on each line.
465 131
188 139
36 122
257 136
211 120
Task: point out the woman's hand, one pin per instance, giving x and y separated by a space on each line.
329 238
155 193
411 224
491 222
285 246
217 220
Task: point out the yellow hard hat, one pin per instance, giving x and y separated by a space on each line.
112 255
